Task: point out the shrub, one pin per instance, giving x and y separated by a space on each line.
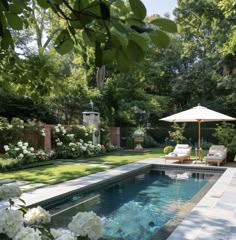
168 149
10 132
176 133
21 151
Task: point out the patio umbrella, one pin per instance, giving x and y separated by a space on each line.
198 114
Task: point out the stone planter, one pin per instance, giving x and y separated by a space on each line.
139 140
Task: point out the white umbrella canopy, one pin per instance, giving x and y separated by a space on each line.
198 114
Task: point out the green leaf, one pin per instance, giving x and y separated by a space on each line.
7 41
81 4
138 8
89 38
122 61
64 43
108 56
160 39
14 21
140 39
43 3
119 26
165 25
118 39
105 11
15 8
4 5
134 51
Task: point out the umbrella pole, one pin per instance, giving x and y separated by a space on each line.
199 140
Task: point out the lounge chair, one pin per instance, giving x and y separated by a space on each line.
217 154
180 153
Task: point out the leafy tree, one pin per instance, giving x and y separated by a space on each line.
116 30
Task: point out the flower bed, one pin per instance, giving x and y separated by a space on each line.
32 224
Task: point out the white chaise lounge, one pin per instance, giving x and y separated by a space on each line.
180 153
217 154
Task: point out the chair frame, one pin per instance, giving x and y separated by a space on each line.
217 161
180 158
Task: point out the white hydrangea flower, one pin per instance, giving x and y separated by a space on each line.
57 129
27 233
63 234
36 216
86 224
21 156
59 143
59 125
11 222
9 191
83 148
73 149
24 147
71 144
20 144
89 142
86 134
25 152
31 149
17 149
6 147
26 144
9 126
81 140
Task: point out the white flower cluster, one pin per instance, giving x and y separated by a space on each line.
63 234
86 224
28 233
11 222
19 151
36 216
60 129
42 132
9 191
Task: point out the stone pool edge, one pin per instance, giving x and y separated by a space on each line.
192 227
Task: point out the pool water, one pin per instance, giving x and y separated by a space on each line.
136 208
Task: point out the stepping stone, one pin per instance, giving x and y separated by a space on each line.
5 181
32 186
22 183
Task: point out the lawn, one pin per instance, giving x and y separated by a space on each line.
59 171
62 171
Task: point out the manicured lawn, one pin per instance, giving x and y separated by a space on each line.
52 174
59 171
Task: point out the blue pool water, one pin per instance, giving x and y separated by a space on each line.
136 208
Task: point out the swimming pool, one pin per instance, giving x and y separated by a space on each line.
137 207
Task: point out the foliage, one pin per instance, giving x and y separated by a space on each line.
25 154
10 132
14 105
176 133
139 132
226 135
73 143
114 29
168 149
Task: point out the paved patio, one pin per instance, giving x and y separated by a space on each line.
213 218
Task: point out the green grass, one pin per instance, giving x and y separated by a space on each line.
59 171
53 173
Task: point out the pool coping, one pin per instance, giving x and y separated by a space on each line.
212 218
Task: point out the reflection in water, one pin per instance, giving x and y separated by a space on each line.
138 207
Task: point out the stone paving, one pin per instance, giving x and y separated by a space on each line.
213 218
